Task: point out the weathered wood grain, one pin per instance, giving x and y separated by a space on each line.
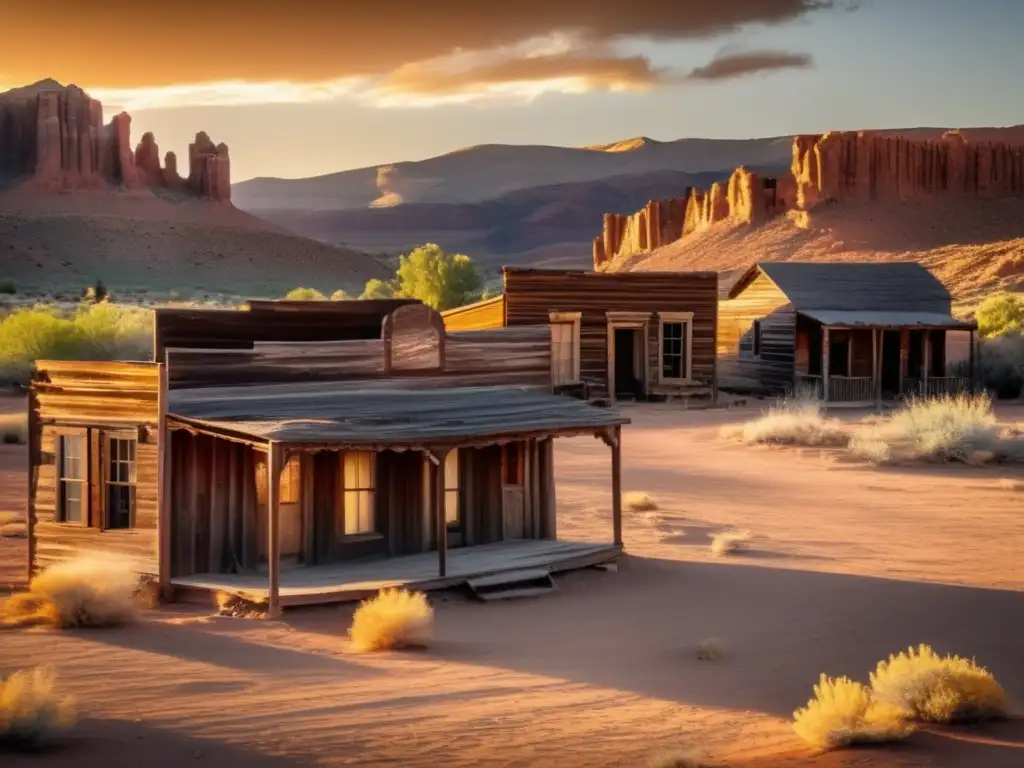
758 298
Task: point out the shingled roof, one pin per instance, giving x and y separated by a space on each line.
874 287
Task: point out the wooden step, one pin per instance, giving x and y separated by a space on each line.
526 582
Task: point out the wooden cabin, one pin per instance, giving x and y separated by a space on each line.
615 335
311 452
845 333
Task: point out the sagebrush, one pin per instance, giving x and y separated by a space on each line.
843 712
729 542
793 421
639 501
922 685
33 713
85 592
393 619
678 760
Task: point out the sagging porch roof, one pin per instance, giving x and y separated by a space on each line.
886 319
317 415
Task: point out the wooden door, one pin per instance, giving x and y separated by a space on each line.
289 510
513 492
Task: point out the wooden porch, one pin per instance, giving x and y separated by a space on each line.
349 581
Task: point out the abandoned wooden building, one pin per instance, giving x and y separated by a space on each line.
311 452
615 335
844 333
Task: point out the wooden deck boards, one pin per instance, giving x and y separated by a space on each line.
342 582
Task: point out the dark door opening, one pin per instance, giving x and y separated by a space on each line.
890 363
628 377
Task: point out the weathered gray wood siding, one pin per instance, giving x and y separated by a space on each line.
531 295
738 370
91 399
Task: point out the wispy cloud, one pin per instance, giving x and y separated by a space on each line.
730 66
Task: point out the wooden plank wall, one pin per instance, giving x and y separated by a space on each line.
760 300
482 316
270 321
93 396
530 295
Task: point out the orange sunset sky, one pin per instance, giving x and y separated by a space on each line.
304 87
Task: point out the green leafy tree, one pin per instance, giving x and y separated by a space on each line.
436 278
340 295
304 294
1001 315
378 289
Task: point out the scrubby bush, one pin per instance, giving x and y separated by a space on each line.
86 592
950 428
729 542
921 685
843 713
793 421
100 331
639 501
8 287
340 295
438 279
395 618
1000 315
33 714
378 289
678 760
304 294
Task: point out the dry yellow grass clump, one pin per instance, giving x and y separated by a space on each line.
843 713
395 618
87 592
796 421
941 689
681 760
639 501
729 542
32 713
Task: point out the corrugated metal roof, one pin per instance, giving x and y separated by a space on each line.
881 286
885 319
386 417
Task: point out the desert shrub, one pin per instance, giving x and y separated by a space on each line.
238 607
438 279
639 501
340 295
101 331
1001 314
8 287
792 421
922 685
395 618
87 592
950 428
32 712
378 289
304 294
843 713
729 542
678 760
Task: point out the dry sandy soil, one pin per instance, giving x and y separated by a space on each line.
847 565
975 247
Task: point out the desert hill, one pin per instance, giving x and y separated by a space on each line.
955 204
78 204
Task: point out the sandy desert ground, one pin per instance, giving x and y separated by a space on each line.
847 565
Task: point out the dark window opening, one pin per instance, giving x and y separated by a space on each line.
512 464
120 482
71 469
673 350
756 334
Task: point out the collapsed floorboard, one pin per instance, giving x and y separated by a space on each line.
512 584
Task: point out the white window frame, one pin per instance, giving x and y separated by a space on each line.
575 319
686 318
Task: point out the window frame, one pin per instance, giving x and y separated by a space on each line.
575 320
106 438
371 491
86 487
452 492
686 320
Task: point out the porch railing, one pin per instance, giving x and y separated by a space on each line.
808 386
851 389
936 386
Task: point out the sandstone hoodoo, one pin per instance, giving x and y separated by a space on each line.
53 137
831 168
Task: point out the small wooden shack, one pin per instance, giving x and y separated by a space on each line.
615 335
311 452
845 333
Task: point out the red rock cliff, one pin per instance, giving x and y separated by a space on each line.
834 167
53 137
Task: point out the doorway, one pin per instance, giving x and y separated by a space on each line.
890 372
628 355
513 492
290 510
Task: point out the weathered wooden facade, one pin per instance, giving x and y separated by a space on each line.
616 335
304 471
845 333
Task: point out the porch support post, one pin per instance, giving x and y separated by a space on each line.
927 360
876 379
824 364
616 444
274 528
440 522
163 490
972 358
